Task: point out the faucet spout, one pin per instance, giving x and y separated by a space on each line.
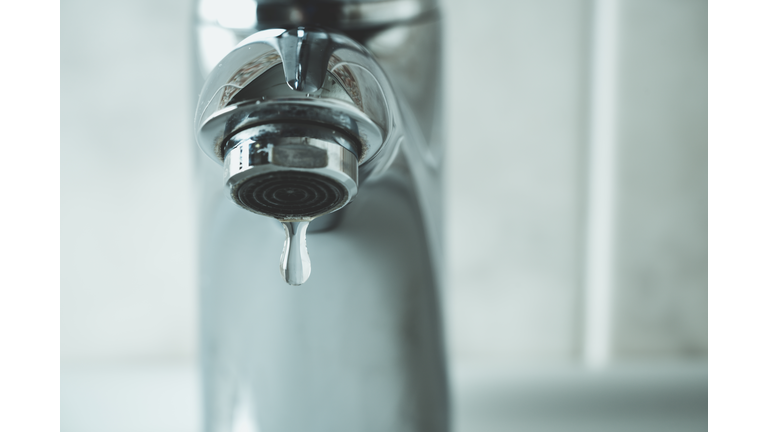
293 152
324 118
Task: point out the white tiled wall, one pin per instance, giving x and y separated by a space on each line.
661 238
516 72
127 237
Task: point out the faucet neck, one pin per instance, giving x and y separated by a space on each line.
337 14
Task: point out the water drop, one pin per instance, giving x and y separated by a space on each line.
294 263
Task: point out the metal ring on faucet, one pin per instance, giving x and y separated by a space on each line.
291 172
336 115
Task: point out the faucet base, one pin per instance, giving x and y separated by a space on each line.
358 347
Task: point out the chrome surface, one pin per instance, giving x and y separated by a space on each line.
331 80
359 346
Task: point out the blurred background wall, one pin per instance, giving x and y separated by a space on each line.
521 89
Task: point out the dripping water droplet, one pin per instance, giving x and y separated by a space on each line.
294 263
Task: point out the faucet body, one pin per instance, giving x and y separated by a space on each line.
359 346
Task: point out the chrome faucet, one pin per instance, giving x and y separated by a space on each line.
325 116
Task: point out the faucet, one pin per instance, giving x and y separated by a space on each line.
324 118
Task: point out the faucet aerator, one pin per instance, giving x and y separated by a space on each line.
291 172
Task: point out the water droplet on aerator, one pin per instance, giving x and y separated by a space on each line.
294 263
